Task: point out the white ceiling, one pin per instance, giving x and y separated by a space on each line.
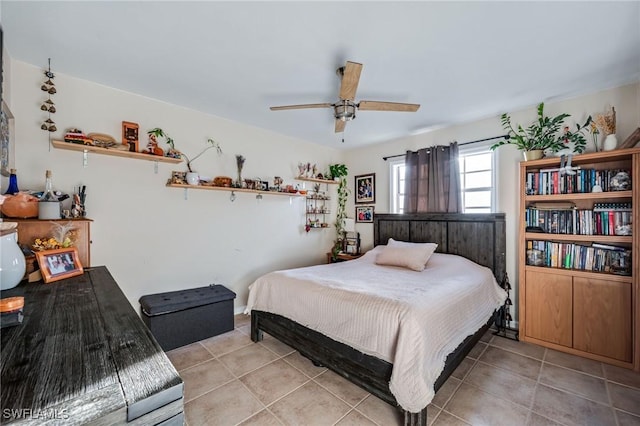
460 60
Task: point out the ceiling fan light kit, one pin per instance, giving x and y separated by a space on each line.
345 109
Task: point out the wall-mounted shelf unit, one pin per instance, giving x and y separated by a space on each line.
228 189
327 181
113 152
317 210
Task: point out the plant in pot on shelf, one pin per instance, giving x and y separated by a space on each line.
193 178
156 133
340 171
543 134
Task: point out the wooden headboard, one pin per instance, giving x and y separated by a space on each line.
479 237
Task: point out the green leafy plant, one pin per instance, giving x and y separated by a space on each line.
544 133
337 170
173 152
340 171
211 144
159 133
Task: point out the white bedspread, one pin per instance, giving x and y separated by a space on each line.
411 319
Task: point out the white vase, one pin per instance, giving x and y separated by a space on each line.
610 143
12 262
193 178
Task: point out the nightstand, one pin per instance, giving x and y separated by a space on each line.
342 257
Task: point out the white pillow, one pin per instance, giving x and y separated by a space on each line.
414 257
394 243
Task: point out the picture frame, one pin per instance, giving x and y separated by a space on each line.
130 136
7 140
364 214
59 264
365 188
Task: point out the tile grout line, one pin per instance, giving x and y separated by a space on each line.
286 394
336 395
363 414
453 415
615 415
345 415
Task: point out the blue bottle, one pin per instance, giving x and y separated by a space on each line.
13 183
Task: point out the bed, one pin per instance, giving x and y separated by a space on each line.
476 237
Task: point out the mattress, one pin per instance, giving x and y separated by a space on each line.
410 319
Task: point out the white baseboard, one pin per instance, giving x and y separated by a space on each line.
239 310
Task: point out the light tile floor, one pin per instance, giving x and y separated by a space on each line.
230 380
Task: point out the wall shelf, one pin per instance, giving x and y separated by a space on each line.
228 189
113 152
331 182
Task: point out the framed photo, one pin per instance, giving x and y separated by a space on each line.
366 189
59 264
364 214
130 135
7 140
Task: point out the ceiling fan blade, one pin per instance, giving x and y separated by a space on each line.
340 125
350 79
303 106
387 106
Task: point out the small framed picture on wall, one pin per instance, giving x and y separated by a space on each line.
366 189
364 214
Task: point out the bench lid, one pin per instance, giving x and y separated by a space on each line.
175 301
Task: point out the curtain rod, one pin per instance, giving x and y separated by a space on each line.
465 143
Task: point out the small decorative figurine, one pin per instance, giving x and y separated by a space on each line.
152 146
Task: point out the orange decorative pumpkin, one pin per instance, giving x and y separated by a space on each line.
21 205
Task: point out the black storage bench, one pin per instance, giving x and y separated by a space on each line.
178 318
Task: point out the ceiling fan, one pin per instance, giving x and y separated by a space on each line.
345 109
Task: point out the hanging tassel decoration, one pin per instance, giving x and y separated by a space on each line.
48 105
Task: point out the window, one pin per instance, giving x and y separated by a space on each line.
396 185
477 180
477 177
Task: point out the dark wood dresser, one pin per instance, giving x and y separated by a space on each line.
82 355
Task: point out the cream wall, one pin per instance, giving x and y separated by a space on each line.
625 99
150 237
154 240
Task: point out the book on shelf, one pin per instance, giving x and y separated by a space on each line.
608 247
596 258
552 181
580 221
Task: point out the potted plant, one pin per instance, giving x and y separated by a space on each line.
192 177
159 133
340 171
543 134
211 144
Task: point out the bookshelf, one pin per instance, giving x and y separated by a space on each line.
578 256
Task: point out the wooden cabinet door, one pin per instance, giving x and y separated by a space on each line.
549 310
602 318
30 229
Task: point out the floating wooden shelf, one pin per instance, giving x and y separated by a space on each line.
607 239
113 152
331 182
609 195
580 273
224 188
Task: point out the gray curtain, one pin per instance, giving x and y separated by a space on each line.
432 180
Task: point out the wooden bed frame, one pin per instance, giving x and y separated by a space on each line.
478 237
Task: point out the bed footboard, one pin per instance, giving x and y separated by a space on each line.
368 372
